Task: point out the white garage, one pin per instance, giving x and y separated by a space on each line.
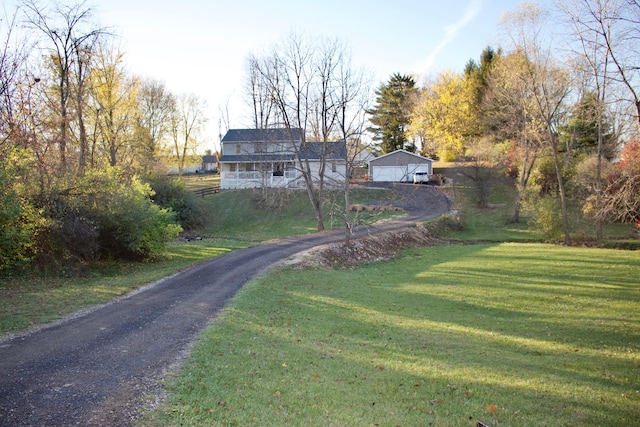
398 166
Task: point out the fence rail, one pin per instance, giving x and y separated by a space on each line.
207 191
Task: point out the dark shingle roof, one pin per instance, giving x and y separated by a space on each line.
263 135
334 150
257 158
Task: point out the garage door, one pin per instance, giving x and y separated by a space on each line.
389 173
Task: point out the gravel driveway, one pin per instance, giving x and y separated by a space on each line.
94 368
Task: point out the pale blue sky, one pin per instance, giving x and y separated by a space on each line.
199 46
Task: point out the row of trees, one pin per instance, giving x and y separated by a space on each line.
81 140
551 116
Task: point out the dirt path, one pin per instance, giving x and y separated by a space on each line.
93 369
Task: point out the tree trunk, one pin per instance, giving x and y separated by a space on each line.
347 212
563 197
84 146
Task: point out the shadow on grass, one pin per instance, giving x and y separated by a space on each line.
440 336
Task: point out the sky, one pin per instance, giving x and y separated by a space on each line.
200 46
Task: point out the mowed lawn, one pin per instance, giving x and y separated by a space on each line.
511 334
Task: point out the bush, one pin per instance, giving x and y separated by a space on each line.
170 193
106 214
129 225
18 222
544 215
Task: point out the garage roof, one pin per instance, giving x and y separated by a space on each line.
399 158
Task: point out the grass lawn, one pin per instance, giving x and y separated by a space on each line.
27 300
512 334
237 214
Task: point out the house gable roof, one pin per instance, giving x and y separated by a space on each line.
263 135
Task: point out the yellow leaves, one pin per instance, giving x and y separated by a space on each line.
442 113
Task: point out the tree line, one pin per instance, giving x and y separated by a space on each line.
83 141
559 117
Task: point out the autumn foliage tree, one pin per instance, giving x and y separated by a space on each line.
74 143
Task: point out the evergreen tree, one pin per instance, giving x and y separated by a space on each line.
580 133
477 77
391 115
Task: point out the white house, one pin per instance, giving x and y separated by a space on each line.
398 166
271 158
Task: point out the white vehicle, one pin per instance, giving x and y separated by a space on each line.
421 178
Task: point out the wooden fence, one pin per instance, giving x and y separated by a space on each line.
207 191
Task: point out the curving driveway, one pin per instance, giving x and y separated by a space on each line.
94 368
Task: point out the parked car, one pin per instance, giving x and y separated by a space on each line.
421 178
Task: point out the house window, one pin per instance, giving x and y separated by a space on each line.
238 149
278 169
232 167
334 167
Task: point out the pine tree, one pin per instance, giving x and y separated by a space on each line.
391 115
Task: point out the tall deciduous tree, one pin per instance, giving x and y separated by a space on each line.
602 38
187 121
13 56
155 107
507 109
610 32
549 82
442 118
115 105
71 36
391 113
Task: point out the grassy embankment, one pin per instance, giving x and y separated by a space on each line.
515 333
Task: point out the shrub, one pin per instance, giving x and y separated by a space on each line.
170 193
105 214
18 221
544 215
129 225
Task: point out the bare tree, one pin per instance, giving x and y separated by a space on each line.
549 83
71 36
615 25
257 89
155 107
352 99
592 30
186 124
13 56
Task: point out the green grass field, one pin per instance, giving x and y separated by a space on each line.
511 334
